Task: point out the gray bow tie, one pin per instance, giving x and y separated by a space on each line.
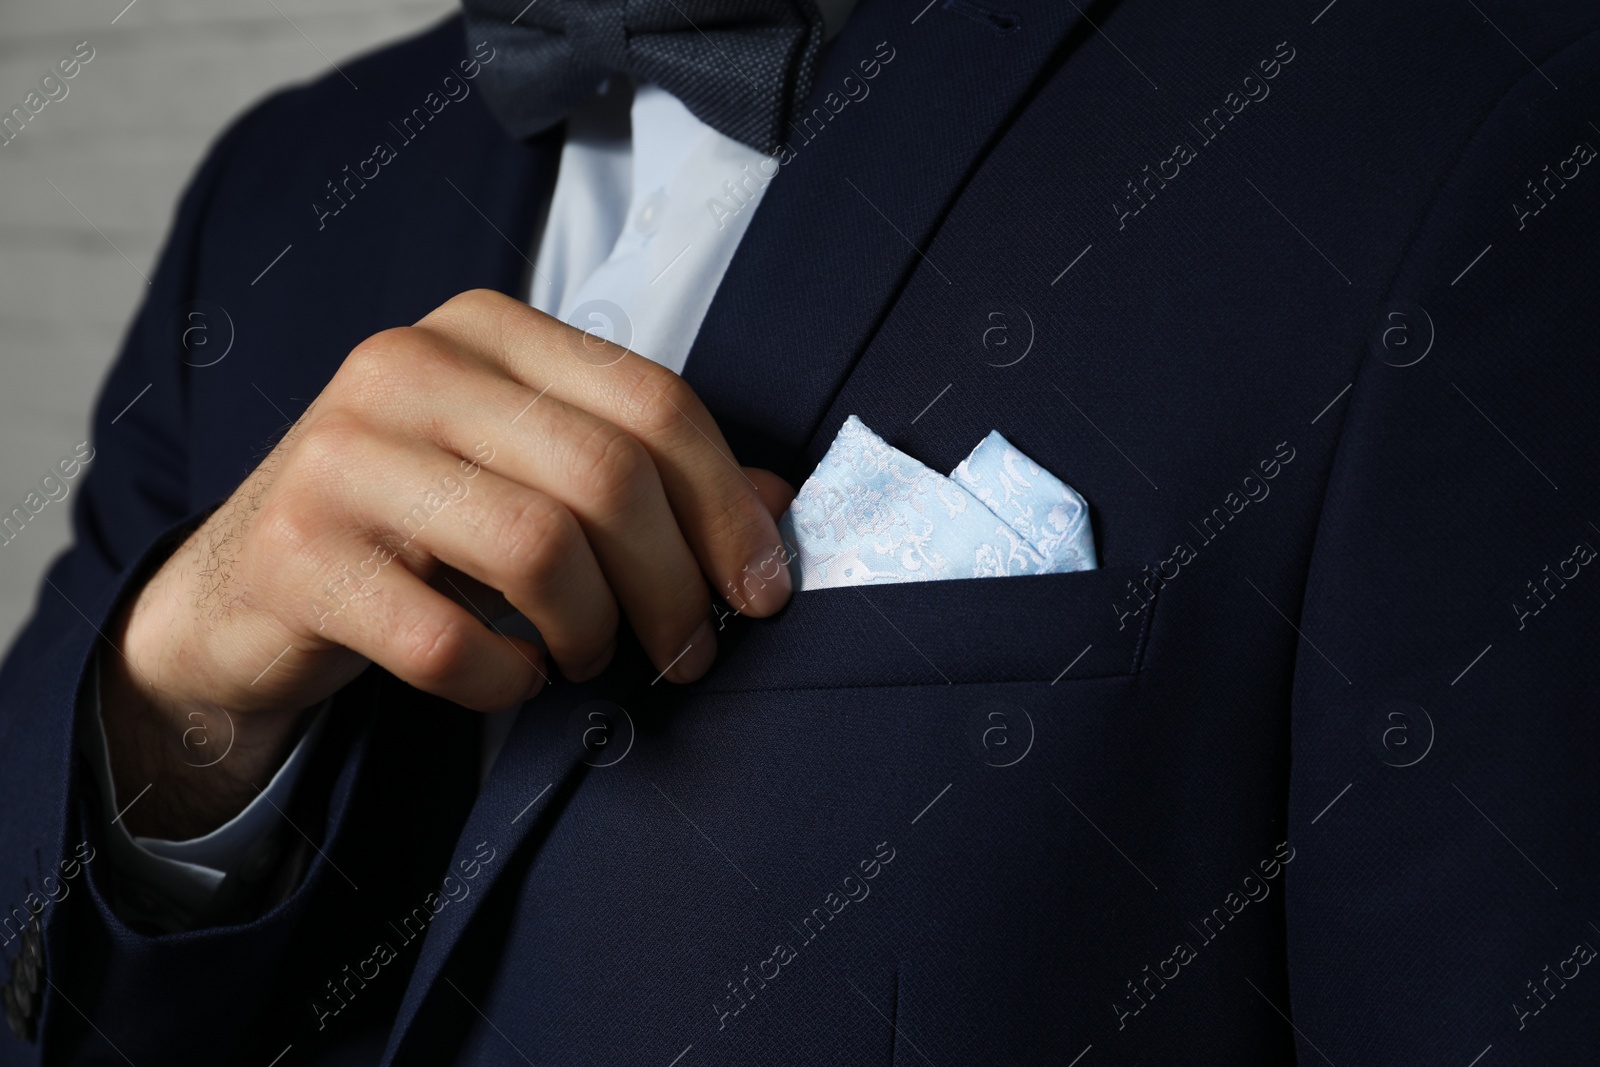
740 66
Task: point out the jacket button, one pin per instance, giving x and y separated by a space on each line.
24 976
18 1013
20 997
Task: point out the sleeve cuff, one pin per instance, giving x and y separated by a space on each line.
167 878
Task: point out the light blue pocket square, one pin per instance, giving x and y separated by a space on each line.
870 513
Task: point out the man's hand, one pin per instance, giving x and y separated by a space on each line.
489 449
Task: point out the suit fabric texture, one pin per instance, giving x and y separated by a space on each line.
1314 742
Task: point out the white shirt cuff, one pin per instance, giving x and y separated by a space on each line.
168 878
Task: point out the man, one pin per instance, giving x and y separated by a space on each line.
1297 300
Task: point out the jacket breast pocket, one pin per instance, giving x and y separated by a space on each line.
1042 627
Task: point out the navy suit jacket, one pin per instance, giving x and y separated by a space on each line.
1300 298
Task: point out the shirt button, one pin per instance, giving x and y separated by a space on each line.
648 218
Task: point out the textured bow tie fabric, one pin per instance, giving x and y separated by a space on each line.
741 66
870 513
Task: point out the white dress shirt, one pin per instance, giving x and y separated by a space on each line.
633 248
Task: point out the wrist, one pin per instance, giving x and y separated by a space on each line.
191 763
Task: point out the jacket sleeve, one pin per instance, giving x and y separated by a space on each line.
62 937
171 884
1445 793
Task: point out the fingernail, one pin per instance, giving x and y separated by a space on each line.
697 656
764 585
538 684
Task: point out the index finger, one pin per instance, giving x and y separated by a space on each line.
717 506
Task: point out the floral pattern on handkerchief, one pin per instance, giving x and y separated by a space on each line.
1041 508
870 513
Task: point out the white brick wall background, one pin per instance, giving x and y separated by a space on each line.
166 76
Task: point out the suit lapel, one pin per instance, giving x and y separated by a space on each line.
543 761
875 163
474 214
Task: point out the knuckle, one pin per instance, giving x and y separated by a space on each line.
471 312
388 365
536 540
548 565
476 301
372 357
435 652
613 468
288 529
659 402
331 443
